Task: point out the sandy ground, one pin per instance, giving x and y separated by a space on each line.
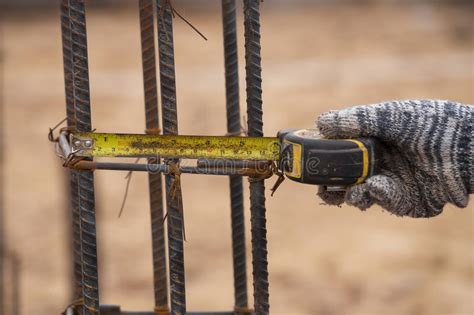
322 260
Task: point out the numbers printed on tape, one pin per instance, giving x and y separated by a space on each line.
172 146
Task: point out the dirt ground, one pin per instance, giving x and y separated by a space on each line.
322 260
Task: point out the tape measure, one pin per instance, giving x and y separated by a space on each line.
174 146
302 155
309 159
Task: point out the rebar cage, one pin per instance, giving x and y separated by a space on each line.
167 283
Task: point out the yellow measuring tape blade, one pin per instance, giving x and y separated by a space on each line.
170 146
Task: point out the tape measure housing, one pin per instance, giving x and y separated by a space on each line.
309 159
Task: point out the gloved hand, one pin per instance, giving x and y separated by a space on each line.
427 155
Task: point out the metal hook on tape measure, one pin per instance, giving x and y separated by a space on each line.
78 144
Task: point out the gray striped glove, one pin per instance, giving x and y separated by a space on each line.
427 155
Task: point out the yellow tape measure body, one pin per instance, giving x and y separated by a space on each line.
191 147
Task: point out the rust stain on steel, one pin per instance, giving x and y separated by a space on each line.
84 165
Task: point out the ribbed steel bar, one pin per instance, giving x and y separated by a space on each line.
15 285
160 282
67 62
261 170
234 127
116 310
173 189
71 123
90 281
2 205
255 129
190 313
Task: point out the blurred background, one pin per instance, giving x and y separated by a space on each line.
317 56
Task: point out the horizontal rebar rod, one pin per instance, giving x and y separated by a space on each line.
115 310
226 164
203 313
164 168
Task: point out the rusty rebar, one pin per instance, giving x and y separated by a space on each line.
255 129
67 62
153 313
2 174
234 127
90 281
15 284
76 233
173 189
147 33
263 171
71 122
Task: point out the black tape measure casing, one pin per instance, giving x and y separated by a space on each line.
307 158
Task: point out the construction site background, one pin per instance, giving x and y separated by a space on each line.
316 57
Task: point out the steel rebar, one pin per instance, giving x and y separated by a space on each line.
147 33
233 164
173 189
67 62
190 313
255 129
71 122
260 171
234 127
2 205
90 281
15 284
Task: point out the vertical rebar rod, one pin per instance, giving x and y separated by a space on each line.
2 174
173 189
15 284
255 129
67 62
147 33
90 281
234 127
71 123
